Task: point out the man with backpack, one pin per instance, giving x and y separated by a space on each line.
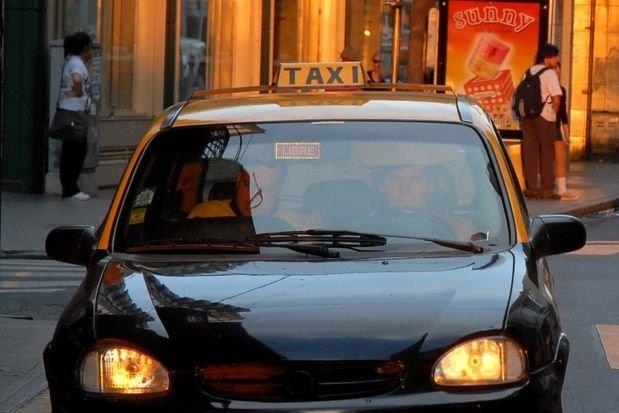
536 103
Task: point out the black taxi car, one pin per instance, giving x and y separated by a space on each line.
318 245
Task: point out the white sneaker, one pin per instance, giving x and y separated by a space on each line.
80 196
568 196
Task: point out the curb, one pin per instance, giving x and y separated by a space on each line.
23 255
591 209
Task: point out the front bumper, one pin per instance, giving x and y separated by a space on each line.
540 393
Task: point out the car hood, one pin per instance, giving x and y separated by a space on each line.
320 310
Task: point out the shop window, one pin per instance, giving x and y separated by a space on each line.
367 33
72 16
133 33
218 44
119 44
309 30
369 29
193 28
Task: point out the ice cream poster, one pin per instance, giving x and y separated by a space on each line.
489 47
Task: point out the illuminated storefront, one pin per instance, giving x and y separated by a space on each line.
154 56
593 40
157 52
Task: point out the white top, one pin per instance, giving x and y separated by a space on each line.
73 66
549 82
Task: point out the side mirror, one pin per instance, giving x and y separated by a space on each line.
557 234
73 244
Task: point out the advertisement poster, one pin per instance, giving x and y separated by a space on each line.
490 44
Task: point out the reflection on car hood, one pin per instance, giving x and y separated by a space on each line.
307 311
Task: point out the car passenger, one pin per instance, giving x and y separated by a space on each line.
256 193
268 179
226 199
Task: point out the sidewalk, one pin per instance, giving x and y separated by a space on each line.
595 184
26 219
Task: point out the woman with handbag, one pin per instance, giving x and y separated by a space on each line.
70 123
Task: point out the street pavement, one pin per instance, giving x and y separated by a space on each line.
587 286
33 293
34 290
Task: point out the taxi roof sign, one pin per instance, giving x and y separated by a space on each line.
321 75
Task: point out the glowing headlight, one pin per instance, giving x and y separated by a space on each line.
119 370
483 361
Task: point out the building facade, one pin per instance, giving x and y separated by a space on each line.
157 52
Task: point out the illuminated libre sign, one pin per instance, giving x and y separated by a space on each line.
321 74
297 150
475 16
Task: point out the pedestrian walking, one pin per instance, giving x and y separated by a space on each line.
537 103
70 123
562 145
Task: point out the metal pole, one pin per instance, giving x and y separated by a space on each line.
588 143
169 66
395 47
266 37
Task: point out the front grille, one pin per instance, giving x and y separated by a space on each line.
300 381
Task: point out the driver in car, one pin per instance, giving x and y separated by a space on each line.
404 187
408 190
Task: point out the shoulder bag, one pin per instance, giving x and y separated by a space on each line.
69 125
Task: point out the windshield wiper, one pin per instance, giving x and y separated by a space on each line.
457 245
312 241
175 244
349 239
317 241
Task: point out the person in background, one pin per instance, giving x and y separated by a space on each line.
562 145
73 96
375 74
539 133
349 54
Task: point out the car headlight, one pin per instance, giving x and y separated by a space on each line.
482 361
121 370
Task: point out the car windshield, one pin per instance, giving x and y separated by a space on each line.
218 186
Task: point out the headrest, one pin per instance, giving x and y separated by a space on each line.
344 200
222 190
